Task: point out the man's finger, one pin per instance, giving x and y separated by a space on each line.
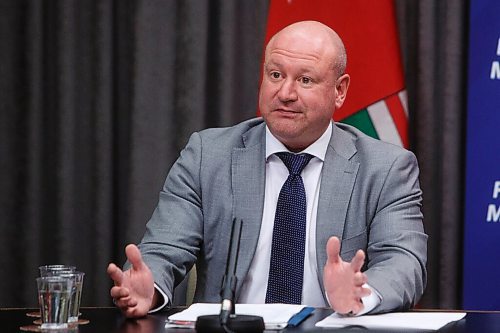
360 278
358 261
117 292
333 250
134 256
122 304
365 292
132 302
131 313
357 307
115 273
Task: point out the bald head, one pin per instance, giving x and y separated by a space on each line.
320 37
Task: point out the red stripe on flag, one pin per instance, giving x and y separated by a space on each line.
398 115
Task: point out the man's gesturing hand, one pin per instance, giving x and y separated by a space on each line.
344 281
134 289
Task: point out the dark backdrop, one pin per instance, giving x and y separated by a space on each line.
97 97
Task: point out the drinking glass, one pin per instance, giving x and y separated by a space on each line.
54 297
76 296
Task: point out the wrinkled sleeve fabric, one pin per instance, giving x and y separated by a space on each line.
397 244
174 233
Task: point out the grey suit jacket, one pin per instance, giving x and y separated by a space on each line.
369 198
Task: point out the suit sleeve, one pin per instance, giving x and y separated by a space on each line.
397 244
174 233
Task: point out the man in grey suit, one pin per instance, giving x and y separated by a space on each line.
365 247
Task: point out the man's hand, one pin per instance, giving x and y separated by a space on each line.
134 291
344 281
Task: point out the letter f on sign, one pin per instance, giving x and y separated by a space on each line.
496 189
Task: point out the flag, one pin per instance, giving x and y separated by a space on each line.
376 102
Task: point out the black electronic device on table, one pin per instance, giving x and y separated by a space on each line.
227 320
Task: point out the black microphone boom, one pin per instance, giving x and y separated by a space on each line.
230 280
227 321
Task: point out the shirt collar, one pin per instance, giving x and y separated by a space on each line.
317 148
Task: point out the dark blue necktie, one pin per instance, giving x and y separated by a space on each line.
286 270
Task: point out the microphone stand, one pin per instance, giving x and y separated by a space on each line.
227 321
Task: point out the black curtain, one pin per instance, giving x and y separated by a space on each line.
97 97
434 45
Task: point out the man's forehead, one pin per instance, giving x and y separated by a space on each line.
295 54
300 40
310 66
302 67
305 54
301 44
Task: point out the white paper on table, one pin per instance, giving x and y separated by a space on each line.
276 316
416 320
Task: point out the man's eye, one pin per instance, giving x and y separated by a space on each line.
305 80
275 75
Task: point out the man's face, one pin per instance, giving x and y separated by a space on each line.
298 91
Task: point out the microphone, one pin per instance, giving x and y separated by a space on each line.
230 280
227 320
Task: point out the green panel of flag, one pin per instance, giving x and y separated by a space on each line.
362 121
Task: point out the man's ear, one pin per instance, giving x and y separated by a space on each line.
341 86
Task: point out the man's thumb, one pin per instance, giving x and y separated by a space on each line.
134 256
333 250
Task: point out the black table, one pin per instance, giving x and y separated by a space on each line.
110 320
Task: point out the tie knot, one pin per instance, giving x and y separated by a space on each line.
294 162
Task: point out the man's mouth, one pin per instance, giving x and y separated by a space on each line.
285 111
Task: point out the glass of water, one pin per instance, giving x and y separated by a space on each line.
76 296
54 297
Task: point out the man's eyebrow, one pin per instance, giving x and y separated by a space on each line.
304 69
271 63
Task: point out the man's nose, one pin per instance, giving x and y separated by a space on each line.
287 92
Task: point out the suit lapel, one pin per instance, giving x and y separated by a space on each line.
337 183
248 178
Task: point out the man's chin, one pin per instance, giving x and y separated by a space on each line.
290 137
285 129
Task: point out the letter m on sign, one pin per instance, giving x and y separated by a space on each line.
493 213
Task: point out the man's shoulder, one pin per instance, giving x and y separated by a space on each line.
367 146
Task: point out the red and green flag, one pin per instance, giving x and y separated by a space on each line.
376 102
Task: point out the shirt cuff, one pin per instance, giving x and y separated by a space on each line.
370 301
165 300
